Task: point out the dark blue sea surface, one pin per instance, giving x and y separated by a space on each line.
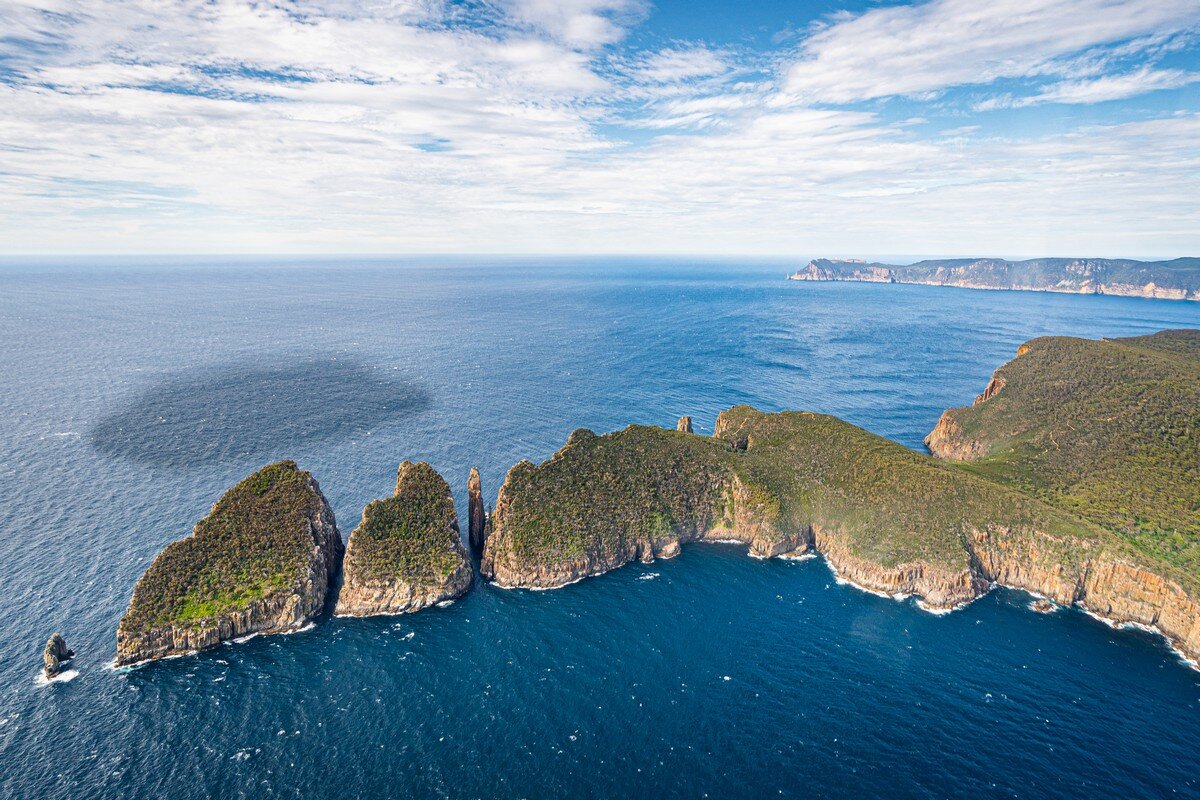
134 393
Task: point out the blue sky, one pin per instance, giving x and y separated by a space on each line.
957 127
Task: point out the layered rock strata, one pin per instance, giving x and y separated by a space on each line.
477 520
406 554
261 562
1169 280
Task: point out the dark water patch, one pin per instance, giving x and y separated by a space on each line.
254 409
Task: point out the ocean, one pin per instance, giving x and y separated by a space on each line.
135 391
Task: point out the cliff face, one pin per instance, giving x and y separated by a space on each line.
477 515
406 554
885 518
260 562
603 501
1107 582
948 440
1170 280
940 586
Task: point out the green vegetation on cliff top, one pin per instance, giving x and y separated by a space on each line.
1108 430
257 540
605 494
412 535
799 470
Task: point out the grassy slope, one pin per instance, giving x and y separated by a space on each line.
1109 430
255 541
410 534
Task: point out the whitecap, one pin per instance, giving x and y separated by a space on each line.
66 676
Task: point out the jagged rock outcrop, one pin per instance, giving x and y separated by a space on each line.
1171 280
477 515
406 554
684 425
261 562
55 653
948 440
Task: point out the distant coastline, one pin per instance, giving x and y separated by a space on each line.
1178 279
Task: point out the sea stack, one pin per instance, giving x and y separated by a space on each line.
477 522
684 425
260 562
406 554
55 654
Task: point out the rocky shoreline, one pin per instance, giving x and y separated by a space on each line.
943 529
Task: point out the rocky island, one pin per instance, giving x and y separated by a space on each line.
55 655
406 554
260 562
1178 279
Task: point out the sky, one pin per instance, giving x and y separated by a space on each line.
845 128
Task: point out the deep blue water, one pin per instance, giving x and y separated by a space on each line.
134 394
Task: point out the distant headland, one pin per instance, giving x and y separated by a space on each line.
1178 279
1075 476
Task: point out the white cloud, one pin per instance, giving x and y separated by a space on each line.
332 126
585 24
1114 87
674 65
919 49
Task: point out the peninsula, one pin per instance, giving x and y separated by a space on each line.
1178 279
1084 489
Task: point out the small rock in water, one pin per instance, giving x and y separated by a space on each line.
55 654
684 425
1043 606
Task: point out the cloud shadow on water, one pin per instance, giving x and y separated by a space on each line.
254 409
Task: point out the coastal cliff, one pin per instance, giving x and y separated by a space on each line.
885 518
1074 475
1106 429
260 562
1169 280
406 554
477 518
